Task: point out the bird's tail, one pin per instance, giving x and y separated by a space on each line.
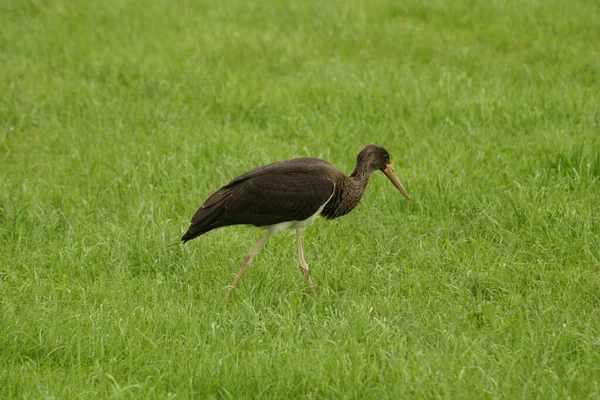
189 235
194 231
209 216
200 224
206 219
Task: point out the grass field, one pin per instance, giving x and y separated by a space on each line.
118 118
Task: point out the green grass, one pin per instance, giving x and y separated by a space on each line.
118 118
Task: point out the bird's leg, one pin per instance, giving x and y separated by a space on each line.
247 262
302 262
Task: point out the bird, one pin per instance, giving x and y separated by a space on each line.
289 194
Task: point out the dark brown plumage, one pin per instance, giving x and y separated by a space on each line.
290 190
290 194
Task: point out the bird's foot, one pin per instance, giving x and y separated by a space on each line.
311 285
226 298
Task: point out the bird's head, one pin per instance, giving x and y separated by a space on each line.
373 158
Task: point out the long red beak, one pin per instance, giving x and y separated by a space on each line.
389 172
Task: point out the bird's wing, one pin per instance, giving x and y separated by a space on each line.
285 191
275 197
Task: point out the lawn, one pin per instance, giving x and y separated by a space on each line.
118 118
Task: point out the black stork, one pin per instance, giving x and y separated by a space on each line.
290 195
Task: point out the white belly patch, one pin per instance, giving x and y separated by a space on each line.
299 224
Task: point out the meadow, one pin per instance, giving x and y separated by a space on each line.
118 118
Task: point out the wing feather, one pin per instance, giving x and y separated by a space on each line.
284 191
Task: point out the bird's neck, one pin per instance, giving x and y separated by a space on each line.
359 178
348 192
360 175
